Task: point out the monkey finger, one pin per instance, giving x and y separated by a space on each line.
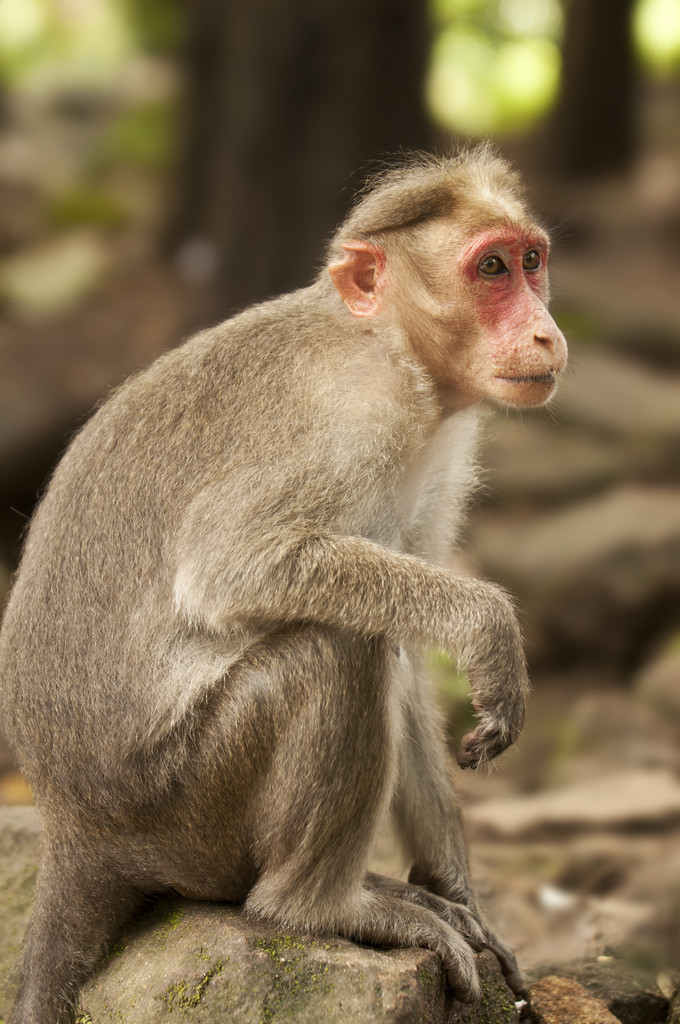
461 974
482 744
461 991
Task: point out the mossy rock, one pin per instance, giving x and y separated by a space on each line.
204 962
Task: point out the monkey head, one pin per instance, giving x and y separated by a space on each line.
470 290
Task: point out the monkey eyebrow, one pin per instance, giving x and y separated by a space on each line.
507 237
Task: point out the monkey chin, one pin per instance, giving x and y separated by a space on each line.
524 392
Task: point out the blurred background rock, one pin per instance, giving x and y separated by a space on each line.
164 163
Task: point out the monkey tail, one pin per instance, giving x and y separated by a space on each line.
78 905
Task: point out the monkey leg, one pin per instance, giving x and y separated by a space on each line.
326 792
78 904
377 912
429 818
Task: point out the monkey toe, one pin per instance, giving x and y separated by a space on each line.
463 980
509 967
456 915
462 919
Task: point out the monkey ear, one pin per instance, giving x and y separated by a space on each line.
359 277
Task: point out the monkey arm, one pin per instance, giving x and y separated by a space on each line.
358 585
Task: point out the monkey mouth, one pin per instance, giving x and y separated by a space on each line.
535 378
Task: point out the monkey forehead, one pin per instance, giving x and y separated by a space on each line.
515 238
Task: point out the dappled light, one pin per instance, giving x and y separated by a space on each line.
496 66
656 25
478 86
46 41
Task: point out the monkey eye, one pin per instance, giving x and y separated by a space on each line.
532 260
492 266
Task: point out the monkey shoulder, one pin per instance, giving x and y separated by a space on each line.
302 368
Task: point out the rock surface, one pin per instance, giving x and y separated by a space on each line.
563 1001
203 960
208 961
632 797
631 994
593 578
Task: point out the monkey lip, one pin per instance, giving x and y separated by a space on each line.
538 378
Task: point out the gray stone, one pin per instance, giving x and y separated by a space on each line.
209 962
205 962
617 396
613 533
594 576
638 796
659 681
534 460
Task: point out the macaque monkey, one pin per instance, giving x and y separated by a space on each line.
212 659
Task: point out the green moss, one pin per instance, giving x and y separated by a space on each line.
82 1018
187 995
428 978
278 946
295 978
167 917
498 1005
172 919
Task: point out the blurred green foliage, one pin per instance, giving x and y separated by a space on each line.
88 107
44 43
158 24
496 64
495 68
83 37
453 687
656 24
141 136
86 205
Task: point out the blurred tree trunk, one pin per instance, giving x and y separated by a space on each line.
283 102
593 129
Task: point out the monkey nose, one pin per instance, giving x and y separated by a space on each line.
553 342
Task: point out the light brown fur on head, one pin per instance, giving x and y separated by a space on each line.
428 187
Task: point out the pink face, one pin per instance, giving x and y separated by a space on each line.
505 276
500 343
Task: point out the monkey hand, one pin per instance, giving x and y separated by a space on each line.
499 683
495 731
484 743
